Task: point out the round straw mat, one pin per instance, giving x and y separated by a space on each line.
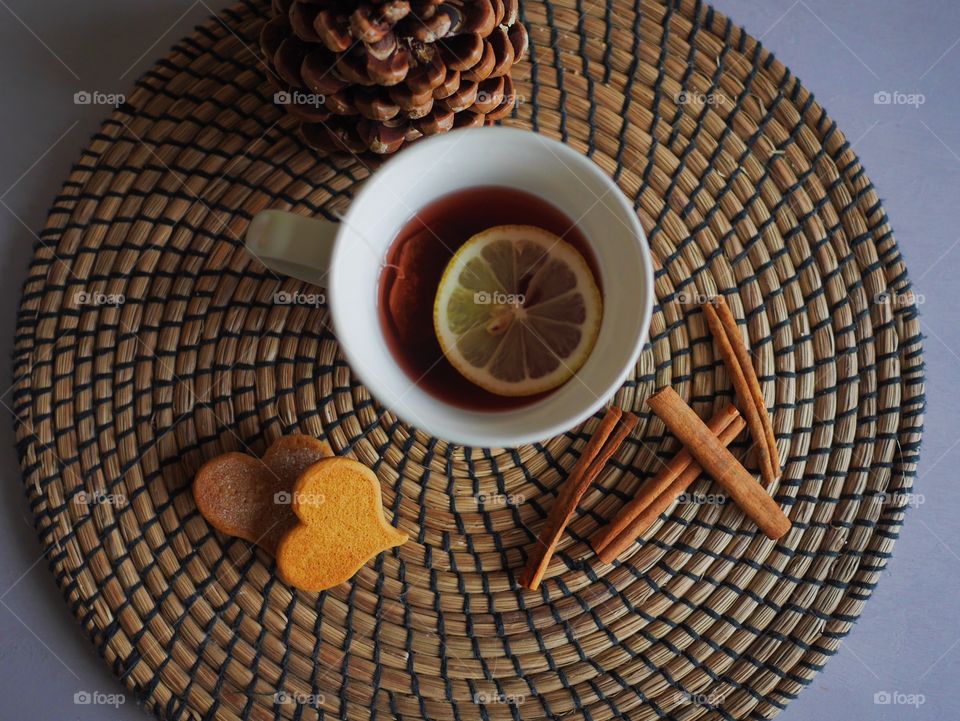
149 341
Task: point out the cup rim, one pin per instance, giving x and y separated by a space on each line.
491 438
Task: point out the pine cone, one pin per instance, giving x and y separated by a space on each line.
373 75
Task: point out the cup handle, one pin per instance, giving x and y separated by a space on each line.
292 244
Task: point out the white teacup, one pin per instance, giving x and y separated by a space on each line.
348 258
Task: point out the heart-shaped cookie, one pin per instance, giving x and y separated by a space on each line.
251 497
341 525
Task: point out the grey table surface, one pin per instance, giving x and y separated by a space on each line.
901 660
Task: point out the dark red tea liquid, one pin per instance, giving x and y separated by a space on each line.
419 256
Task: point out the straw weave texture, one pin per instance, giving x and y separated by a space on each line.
745 188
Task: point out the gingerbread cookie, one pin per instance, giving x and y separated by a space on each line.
341 525
249 497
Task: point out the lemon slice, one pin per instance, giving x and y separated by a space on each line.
517 310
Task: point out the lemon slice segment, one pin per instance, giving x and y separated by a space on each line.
517 310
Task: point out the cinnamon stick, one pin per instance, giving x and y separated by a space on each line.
613 445
656 487
598 451
717 461
650 506
743 355
723 327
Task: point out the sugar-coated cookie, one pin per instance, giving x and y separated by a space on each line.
340 525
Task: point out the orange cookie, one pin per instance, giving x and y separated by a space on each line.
338 504
250 497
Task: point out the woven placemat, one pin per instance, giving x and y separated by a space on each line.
149 341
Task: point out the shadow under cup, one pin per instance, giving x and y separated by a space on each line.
509 158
